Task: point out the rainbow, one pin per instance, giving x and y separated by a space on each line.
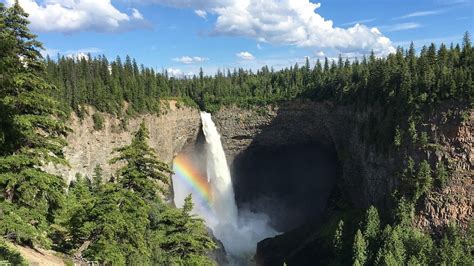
184 169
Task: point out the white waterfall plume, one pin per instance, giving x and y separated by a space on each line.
239 231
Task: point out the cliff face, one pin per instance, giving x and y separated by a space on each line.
87 148
337 128
367 176
454 203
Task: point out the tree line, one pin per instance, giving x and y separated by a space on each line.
405 80
395 90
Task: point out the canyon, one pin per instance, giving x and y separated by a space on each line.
292 155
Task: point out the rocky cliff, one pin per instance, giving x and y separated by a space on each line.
367 176
87 147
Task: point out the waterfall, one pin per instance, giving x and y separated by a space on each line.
218 173
214 199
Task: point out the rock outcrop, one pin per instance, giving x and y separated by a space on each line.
368 176
87 148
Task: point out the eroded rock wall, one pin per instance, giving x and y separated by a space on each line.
296 122
368 176
87 148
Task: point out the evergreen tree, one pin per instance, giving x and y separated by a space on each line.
337 241
73 224
142 170
34 137
392 251
371 226
441 175
359 249
183 237
424 179
97 178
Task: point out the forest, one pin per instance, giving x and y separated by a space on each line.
124 220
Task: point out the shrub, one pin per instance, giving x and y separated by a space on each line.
98 121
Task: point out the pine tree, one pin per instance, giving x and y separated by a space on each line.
359 249
337 240
97 178
35 137
183 237
73 224
120 222
371 228
392 251
142 170
424 179
441 175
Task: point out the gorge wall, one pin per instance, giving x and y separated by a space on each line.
367 176
364 176
87 147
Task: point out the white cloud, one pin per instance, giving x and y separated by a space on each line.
175 72
362 21
420 14
191 60
259 46
201 13
69 16
288 22
178 73
401 26
245 56
136 14
78 56
81 53
194 4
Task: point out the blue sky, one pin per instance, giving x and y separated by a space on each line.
184 35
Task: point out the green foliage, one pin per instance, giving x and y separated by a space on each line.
400 243
337 241
371 225
402 84
397 141
121 220
183 237
98 120
412 131
125 222
32 135
9 255
392 250
424 179
455 249
419 182
441 175
359 249
424 139
97 178
404 212
142 171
